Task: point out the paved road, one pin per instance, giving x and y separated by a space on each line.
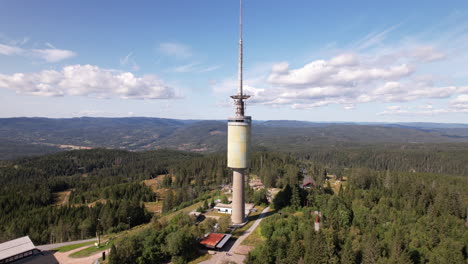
52 246
249 231
223 257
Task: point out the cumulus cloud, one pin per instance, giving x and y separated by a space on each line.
87 80
174 49
348 79
50 55
342 70
373 69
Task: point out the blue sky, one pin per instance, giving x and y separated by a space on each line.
305 60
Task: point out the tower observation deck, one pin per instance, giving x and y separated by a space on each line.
239 136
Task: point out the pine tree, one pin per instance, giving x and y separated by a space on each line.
371 251
114 257
347 254
295 198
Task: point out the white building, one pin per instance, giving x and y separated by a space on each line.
227 208
223 208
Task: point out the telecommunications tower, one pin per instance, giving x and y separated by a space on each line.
239 133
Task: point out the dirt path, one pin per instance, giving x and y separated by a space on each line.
66 198
64 258
231 255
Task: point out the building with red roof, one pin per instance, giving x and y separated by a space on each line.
215 240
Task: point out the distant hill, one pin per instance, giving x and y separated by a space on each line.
32 136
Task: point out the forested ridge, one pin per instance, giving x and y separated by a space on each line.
33 136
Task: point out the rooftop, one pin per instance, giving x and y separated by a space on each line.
222 205
215 240
15 247
212 239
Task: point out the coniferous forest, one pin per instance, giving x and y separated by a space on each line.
397 205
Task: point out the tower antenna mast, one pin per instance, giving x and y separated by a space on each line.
240 97
240 88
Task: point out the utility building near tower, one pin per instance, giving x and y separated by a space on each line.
239 133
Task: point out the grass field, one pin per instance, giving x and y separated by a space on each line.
335 185
254 239
74 246
92 250
185 210
216 213
252 217
154 207
155 182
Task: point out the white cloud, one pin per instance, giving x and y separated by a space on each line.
426 53
125 60
209 68
463 89
87 80
280 68
186 67
50 45
457 105
13 42
175 49
53 55
349 106
373 39
347 79
375 69
129 60
460 103
195 67
346 59
49 55
10 50
341 70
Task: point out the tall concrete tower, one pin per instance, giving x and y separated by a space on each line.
239 133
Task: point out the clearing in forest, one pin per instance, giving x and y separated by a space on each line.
154 207
61 198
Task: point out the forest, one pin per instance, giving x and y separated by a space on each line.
398 205
379 217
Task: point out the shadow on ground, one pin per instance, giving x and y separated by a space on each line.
45 257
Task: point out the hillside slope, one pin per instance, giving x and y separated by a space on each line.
139 133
